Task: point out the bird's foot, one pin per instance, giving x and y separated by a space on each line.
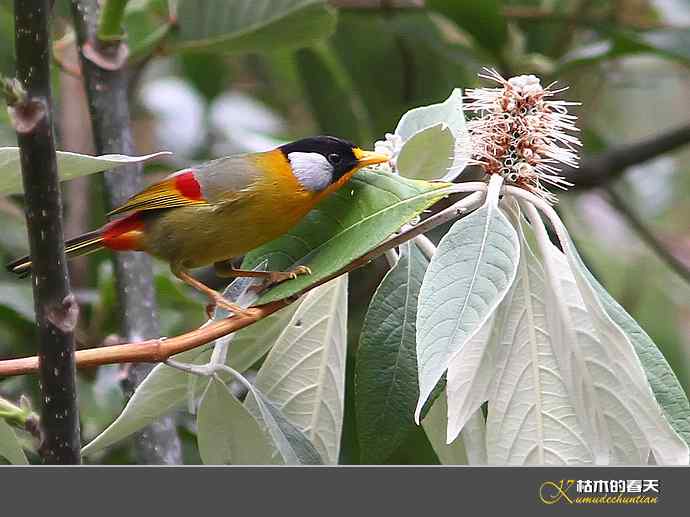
219 301
277 277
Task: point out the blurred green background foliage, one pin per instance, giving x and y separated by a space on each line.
351 70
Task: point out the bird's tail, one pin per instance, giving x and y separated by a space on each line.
82 245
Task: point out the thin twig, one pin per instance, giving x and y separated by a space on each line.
639 226
160 350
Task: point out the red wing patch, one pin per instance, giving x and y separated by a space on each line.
179 189
124 234
188 186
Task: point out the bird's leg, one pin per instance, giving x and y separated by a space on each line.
214 296
225 270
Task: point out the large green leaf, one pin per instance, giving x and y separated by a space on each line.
291 443
70 166
469 275
162 391
10 448
335 105
304 374
251 25
386 375
344 227
483 20
166 389
227 433
390 59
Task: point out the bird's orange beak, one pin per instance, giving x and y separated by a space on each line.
365 158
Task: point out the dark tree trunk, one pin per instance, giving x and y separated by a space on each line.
106 80
56 310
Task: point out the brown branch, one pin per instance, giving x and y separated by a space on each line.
638 225
153 350
601 169
159 350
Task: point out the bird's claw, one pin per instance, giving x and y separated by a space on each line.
220 301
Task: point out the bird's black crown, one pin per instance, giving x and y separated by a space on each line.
339 153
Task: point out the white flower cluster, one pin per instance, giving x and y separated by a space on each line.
520 133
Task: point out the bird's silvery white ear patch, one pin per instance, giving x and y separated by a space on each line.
311 169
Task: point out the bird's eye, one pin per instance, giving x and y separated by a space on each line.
334 158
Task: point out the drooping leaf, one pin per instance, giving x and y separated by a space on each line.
386 375
345 226
304 374
470 373
668 391
251 25
474 439
70 166
531 419
615 407
291 444
435 424
666 445
469 275
10 448
253 342
163 390
227 433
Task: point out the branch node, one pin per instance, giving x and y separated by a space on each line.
107 57
65 315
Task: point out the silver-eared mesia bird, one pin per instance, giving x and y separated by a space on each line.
224 208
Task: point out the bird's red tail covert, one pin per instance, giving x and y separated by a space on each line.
122 234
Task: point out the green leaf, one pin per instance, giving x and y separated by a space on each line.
291 443
448 113
673 44
304 374
435 424
390 59
428 155
70 166
165 388
361 215
253 342
162 391
19 298
483 20
251 25
436 141
227 433
469 275
531 418
10 448
667 390
386 373
327 84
